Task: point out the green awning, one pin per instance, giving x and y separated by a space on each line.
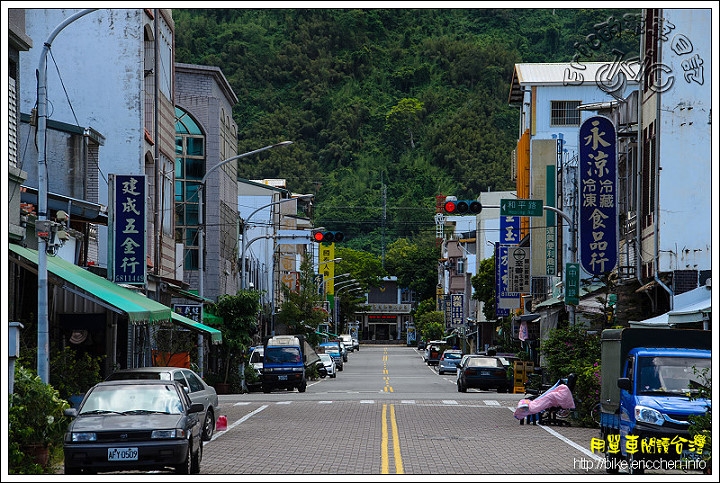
215 335
137 307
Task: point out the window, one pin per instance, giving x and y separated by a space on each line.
189 171
564 113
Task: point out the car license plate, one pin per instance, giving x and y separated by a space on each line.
282 378
484 373
122 454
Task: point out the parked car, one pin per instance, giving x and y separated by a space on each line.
343 350
333 348
421 345
196 388
449 360
483 372
329 364
348 341
134 425
462 361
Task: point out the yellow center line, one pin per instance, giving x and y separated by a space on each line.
385 457
384 443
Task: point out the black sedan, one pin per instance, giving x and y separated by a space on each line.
196 388
134 425
483 372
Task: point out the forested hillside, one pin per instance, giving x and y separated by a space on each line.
387 107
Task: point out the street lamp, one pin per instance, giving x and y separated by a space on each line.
355 286
201 197
325 281
201 240
43 333
243 277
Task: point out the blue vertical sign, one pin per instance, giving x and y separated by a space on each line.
598 195
129 264
503 300
509 230
457 310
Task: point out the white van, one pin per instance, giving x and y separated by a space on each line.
348 341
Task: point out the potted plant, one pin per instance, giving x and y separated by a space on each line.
36 422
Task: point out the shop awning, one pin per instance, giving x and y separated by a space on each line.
137 307
215 335
688 307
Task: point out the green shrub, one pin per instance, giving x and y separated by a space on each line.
35 417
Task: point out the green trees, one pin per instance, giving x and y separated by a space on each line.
239 314
381 101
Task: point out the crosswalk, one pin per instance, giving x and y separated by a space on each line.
443 402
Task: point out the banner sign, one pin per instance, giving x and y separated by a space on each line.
457 309
506 298
518 261
598 195
128 250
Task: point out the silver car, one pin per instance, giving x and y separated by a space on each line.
449 361
195 387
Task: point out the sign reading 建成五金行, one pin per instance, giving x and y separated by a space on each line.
127 229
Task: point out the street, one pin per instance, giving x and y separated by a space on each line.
388 412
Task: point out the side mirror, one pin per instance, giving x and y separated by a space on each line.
624 383
196 408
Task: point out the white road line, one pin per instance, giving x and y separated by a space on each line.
491 402
449 401
239 421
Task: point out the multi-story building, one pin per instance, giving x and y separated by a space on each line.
109 88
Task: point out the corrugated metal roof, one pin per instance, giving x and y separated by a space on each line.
563 73
555 73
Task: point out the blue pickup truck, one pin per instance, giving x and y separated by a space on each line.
649 390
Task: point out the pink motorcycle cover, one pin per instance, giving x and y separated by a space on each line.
557 396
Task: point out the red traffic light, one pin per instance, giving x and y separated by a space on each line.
463 207
328 236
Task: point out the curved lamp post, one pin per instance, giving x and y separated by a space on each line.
201 198
201 240
43 344
244 244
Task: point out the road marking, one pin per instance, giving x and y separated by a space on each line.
491 402
239 421
385 457
367 401
325 402
284 402
406 401
449 401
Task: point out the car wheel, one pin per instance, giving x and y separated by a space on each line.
459 388
196 459
209 425
185 468
302 387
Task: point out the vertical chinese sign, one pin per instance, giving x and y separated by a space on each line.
127 230
598 198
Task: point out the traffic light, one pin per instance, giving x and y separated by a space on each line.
462 207
328 236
